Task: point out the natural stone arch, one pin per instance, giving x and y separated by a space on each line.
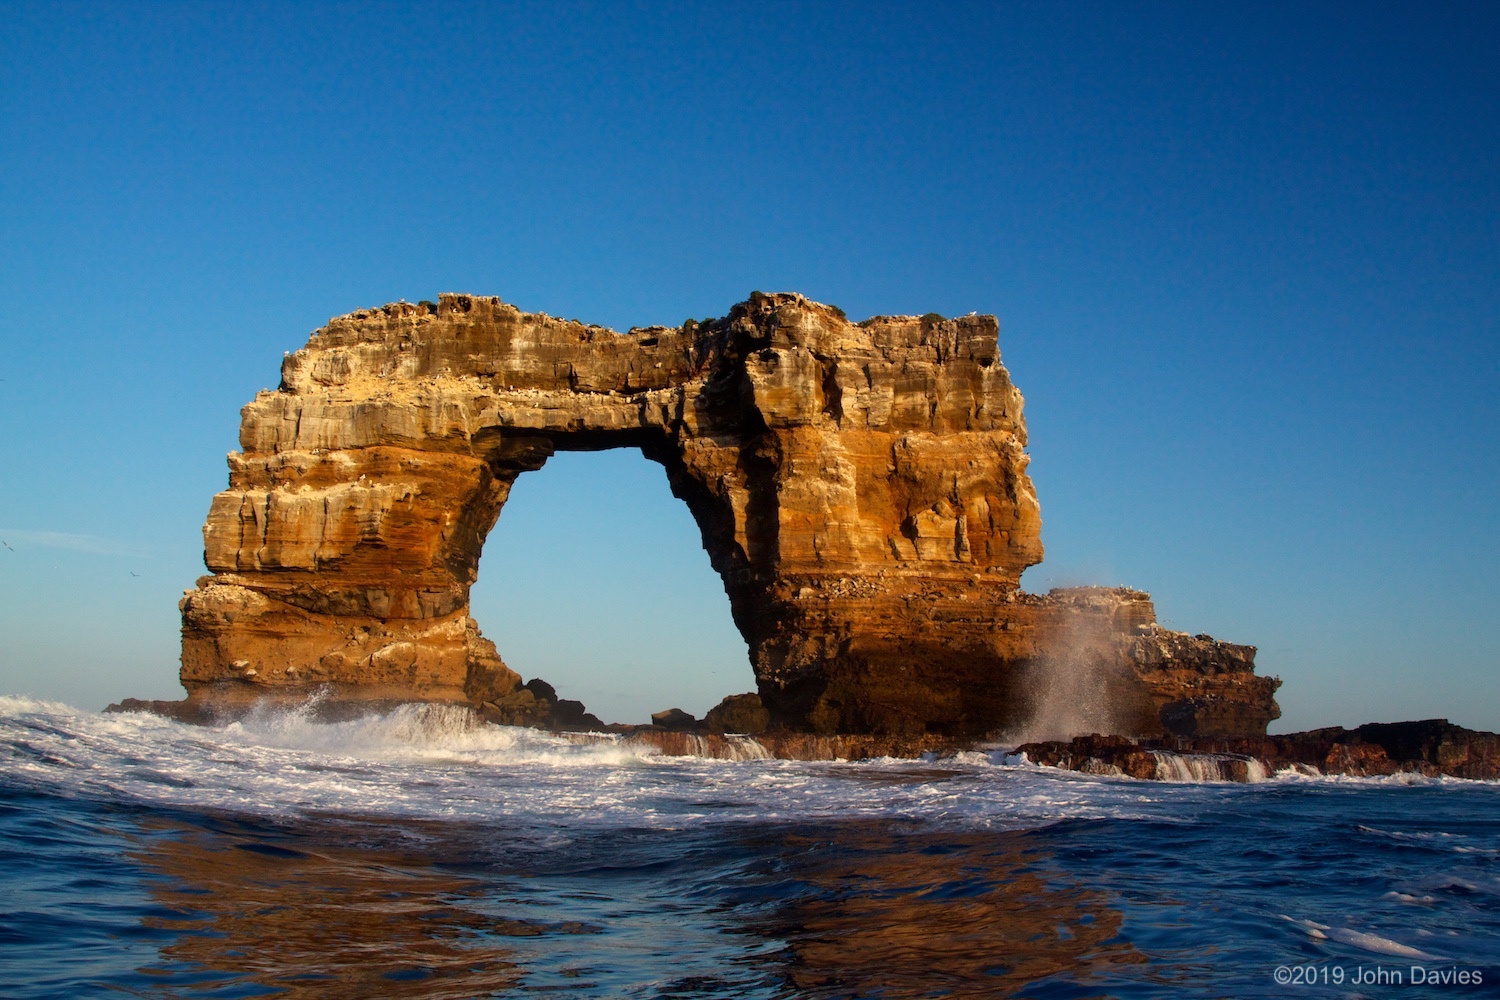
861 490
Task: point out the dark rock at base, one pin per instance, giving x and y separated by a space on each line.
193 713
738 713
1463 753
518 708
1430 747
226 703
675 720
1095 754
570 716
541 689
537 706
784 745
534 705
1366 760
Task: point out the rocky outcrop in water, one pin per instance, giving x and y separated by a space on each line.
738 713
860 488
1431 747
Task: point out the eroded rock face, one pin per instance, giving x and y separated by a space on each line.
861 489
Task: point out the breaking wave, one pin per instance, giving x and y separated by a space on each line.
144 856
443 761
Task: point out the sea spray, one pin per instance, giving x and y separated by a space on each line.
706 745
430 762
1071 686
402 727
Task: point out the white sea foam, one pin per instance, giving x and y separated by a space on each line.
1201 767
1412 835
1431 839
442 762
1364 940
18 704
1403 778
1379 945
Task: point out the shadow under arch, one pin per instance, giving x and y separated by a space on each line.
595 579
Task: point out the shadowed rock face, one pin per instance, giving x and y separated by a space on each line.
861 490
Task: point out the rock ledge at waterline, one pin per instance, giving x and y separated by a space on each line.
860 488
1431 748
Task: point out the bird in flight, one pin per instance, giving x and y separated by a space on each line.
134 573
6 544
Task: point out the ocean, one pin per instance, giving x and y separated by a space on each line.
417 854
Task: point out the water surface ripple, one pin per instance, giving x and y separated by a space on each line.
415 855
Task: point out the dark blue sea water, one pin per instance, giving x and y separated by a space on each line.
416 855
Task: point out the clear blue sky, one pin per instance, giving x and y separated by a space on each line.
1246 260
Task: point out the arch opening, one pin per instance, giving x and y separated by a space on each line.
860 489
594 578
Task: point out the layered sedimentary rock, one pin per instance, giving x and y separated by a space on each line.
861 489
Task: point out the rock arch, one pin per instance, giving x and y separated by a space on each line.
861 489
